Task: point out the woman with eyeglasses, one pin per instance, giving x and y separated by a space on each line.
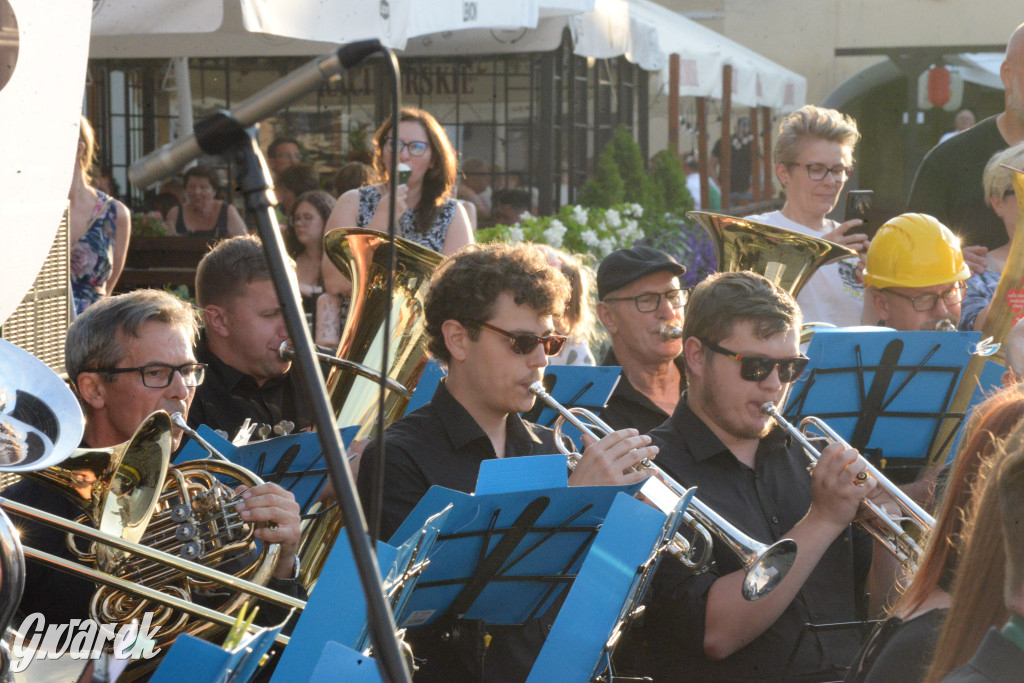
997 182
304 238
428 214
813 161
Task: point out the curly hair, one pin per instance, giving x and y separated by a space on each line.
439 180
467 285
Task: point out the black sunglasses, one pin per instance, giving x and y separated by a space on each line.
525 343
756 368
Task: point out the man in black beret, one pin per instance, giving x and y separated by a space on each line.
639 297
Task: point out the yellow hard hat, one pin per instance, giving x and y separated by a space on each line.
914 250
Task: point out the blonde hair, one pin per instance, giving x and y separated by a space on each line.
87 136
814 122
998 180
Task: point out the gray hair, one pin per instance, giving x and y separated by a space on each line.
810 121
998 180
94 339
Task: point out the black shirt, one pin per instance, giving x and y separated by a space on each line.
948 185
628 407
227 396
765 503
739 163
899 650
997 660
440 444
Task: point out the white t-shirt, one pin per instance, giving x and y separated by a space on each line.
834 294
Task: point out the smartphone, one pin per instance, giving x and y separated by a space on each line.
858 205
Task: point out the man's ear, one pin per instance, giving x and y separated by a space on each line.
607 318
456 339
881 303
91 389
694 354
215 319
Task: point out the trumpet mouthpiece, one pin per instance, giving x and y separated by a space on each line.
285 351
670 331
945 325
537 389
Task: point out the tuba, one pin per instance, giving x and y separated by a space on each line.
363 256
785 257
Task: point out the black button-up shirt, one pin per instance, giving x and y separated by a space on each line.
765 502
227 396
440 444
628 407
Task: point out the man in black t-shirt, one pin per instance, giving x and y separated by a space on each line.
742 349
489 322
639 293
243 331
948 181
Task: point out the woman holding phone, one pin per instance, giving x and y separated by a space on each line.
427 212
813 161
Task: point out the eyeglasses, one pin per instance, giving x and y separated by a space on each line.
650 301
523 344
159 375
926 302
756 368
819 171
415 149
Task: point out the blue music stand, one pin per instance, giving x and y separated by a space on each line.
336 611
886 392
198 661
294 461
585 386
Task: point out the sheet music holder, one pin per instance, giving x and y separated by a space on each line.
504 555
886 392
837 673
584 386
336 610
198 661
295 461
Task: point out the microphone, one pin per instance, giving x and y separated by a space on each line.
170 158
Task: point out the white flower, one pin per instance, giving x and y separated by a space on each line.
637 210
606 246
613 218
553 235
590 238
579 214
515 234
525 216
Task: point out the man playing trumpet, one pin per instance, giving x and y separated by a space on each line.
741 350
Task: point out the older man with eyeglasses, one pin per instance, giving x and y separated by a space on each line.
640 298
916 275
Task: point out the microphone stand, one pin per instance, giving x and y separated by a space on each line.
221 133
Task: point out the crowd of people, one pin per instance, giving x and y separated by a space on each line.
692 401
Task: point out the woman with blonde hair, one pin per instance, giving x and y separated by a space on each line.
813 160
900 648
578 322
997 183
100 229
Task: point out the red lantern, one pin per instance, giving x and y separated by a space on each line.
939 86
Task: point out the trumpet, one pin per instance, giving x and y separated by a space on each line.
900 535
766 566
286 352
670 330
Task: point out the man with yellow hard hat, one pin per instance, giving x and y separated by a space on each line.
915 275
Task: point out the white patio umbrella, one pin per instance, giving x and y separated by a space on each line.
39 112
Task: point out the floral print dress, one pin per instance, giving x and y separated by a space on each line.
92 257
